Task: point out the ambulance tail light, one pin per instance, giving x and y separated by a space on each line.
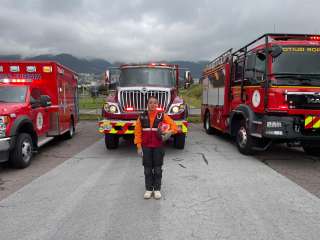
47 69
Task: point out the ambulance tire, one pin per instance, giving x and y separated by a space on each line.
245 142
311 150
21 155
111 141
206 124
70 133
179 141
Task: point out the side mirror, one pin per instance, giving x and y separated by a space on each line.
45 101
275 51
187 79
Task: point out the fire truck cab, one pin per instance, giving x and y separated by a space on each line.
267 91
38 101
136 83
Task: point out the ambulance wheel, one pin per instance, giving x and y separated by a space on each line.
244 140
21 155
179 141
111 141
206 124
71 131
311 149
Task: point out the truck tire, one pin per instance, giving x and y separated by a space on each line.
206 124
21 155
311 149
111 141
179 141
244 140
70 133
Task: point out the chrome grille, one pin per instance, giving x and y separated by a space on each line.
137 99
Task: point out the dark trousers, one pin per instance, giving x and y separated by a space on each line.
152 162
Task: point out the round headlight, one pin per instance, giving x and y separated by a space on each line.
175 109
106 107
112 109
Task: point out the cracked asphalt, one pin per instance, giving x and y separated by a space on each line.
210 191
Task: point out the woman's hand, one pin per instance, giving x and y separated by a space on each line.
140 152
166 136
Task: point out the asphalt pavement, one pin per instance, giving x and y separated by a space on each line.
210 191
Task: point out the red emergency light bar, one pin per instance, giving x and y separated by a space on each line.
7 80
287 37
317 38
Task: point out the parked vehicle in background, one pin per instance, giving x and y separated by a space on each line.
136 83
267 91
38 101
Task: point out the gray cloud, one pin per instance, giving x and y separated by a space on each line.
141 30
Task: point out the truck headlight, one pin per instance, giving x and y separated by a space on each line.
177 108
4 120
110 107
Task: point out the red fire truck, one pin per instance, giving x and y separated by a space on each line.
136 83
267 91
38 101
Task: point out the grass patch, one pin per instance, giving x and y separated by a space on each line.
194 119
90 117
192 95
91 103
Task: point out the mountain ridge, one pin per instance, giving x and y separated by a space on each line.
98 65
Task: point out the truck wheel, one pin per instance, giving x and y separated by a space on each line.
71 131
206 124
21 155
244 140
111 141
179 141
311 149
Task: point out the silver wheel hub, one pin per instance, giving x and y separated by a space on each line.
207 122
243 137
26 151
71 130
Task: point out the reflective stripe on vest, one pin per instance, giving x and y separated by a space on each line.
149 129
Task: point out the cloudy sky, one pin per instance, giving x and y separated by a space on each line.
144 30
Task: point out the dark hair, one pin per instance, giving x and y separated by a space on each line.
152 97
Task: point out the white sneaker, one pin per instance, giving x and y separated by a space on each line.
157 195
147 194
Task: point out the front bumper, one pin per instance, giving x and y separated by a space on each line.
4 149
127 127
289 128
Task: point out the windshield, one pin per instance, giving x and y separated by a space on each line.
147 76
297 65
12 94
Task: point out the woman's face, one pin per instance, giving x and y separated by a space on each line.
152 104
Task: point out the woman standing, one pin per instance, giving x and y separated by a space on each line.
148 138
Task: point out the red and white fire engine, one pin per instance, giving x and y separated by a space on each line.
136 83
38 101
267 91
